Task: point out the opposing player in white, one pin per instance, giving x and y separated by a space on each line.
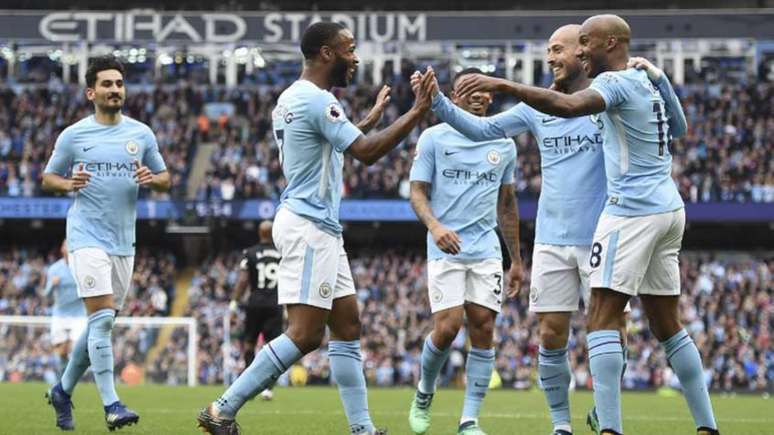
68 314
315 283
572 196
462 190
108 156
638 237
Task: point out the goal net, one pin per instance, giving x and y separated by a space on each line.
158 350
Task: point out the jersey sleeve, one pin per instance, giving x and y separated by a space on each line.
152 156
478 128
509 176
424 161
332 122
62 158
674 110
611 88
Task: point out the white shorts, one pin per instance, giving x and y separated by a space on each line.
560 278
314 268
97 273
65 329
451 283
639 254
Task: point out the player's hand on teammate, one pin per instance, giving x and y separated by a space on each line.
80 179
471 83
447 240
654 73
423 93
515 278
142 174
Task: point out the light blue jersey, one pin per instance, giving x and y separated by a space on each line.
573 191
465 178
103 214
312 133
66 300
637 127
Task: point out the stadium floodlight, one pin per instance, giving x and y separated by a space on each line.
31 331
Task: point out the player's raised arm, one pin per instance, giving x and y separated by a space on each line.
585 102
376 112
678 125
369 149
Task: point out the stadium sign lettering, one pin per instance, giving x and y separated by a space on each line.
133 25
149 25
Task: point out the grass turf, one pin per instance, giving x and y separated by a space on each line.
172 410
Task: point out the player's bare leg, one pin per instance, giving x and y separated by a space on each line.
478 367
446 325
683 356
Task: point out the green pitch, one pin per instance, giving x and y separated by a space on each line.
172 410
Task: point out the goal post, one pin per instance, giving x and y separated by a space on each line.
39 322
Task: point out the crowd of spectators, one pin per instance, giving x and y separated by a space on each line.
727 306
727 154
25 352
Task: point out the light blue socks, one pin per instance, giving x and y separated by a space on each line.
101 353
555 376
478 372
685 360
606 364
432 362
274 359
347 372
78 363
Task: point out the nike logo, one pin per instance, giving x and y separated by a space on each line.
547 120
450 153
88 148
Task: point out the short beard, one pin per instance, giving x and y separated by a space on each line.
339 73
110 109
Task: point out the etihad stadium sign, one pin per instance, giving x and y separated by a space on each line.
143 26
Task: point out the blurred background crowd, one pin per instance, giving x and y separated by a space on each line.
727 305
727 155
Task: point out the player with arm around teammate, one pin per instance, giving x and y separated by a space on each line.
461 191
108 157
68 315
258 270
315 282
572 196
639 234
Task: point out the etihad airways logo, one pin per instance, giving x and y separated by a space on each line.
464 176
111 169
572 143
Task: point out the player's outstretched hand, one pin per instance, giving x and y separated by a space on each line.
423 94
416 82
515 278
470 83
232 306
654 73
142 174
382 100
80 178
447 240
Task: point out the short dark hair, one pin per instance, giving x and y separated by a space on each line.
317 35
464 72
102 63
